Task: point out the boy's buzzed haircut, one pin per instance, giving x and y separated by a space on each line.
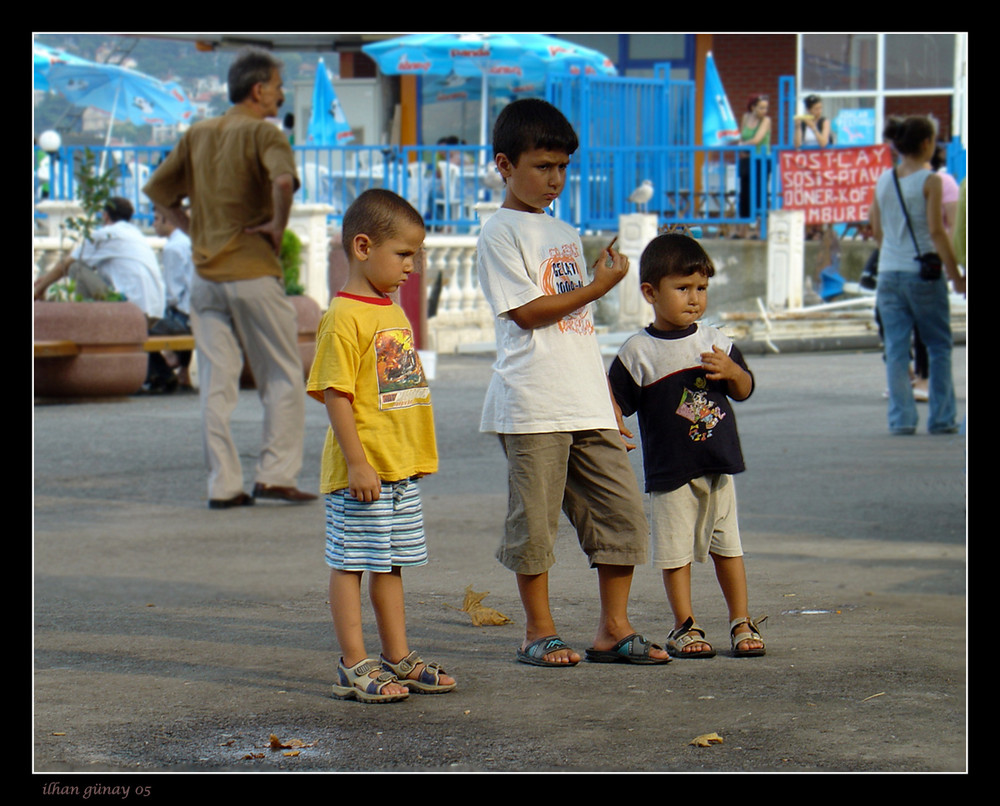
532 123
252 66
673 254
377 213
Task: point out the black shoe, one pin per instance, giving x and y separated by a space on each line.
240 500
290 494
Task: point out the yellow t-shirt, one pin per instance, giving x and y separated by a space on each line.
365 350
226 166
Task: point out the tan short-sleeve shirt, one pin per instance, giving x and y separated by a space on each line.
226 166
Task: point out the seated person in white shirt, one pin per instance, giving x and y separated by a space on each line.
178 270
116 257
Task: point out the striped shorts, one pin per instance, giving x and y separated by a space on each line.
376 535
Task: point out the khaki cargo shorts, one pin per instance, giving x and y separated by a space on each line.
587 475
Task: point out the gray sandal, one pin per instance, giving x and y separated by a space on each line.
753 635
685 635
631 649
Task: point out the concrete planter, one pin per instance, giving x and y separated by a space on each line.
111 361
308 315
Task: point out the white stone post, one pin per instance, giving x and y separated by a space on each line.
635 231
308 221
785 258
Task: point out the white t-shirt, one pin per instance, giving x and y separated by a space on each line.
178 270
120 254
550 378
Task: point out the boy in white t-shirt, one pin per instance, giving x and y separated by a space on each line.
380 442
548 399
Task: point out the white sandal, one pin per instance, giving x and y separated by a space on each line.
753 635
365 681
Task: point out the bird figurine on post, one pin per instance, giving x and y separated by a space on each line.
642 194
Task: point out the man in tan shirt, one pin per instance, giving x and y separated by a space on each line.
238 173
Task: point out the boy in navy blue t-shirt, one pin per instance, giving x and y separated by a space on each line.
678 375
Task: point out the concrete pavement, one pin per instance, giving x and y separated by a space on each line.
169 638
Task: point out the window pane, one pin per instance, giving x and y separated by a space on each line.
602 43
839 61
660 47
919 61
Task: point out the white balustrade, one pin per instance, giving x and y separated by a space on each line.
463 316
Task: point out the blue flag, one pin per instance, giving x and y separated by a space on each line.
719 127
328 126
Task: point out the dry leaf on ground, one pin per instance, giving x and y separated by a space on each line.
706 739
481 615
278 744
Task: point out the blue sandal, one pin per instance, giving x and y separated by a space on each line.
427 682
365 682
534 653
632 649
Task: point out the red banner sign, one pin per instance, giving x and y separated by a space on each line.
832 185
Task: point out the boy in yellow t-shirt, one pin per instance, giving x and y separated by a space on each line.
381 440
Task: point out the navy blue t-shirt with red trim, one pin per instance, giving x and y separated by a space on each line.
686 421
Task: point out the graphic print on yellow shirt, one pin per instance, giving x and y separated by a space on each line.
401 380
561 272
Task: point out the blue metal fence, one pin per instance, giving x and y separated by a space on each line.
630 130
692 184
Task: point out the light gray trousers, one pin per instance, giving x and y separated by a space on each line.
253 316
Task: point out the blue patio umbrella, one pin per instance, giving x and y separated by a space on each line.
328 125
124 94
185 107
486 56
44 57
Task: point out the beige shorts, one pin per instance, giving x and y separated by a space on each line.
695 520
587 475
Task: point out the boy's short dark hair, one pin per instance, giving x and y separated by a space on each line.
251 66
379 214
119 208
673 254
532 123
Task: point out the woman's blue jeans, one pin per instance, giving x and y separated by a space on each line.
906 302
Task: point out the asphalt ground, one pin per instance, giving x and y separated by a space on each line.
171 641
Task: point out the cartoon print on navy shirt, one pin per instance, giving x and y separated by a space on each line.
702 412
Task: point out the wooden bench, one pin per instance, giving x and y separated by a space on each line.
155 344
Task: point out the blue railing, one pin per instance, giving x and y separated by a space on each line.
56 175
697 185
692 184
443 183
